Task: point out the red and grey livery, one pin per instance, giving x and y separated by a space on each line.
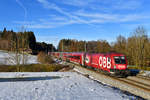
112 63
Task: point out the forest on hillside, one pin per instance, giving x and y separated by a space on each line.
22 41
136 47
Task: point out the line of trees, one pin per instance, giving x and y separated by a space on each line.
136 47
22 41
68 45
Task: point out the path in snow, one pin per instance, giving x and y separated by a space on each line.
67 86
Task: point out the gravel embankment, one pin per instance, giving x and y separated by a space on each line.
138 79
115 83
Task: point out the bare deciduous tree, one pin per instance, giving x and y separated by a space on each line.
18 56
141 39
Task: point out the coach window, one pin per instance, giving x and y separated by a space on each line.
78 57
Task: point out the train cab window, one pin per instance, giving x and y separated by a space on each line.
120 60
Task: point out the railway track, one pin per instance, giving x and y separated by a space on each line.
139 80
137 84
134 84
143 77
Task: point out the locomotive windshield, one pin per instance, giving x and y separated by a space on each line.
120 60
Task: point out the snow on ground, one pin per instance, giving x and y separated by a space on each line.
140 72
145 73
4 55
55 86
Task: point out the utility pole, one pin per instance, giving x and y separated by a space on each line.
85 47
62 46
52 48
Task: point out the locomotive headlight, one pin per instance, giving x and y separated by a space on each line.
114 66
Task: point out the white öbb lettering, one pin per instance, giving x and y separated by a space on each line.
87 60
105 62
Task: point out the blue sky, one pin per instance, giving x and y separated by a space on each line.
52 20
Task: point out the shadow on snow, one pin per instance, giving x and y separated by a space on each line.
20 79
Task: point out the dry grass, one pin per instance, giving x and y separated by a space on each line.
44 58
31 68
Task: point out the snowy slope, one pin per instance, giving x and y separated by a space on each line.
5 55
55 86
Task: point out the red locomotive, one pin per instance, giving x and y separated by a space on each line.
112 63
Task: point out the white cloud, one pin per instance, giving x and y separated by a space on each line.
127 4
77 2
90 18
133 17
97 15
82 16
60 10
105 18
108 4
46 23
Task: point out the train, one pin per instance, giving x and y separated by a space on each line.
111 63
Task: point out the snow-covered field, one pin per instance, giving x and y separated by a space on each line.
55 86
4 58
